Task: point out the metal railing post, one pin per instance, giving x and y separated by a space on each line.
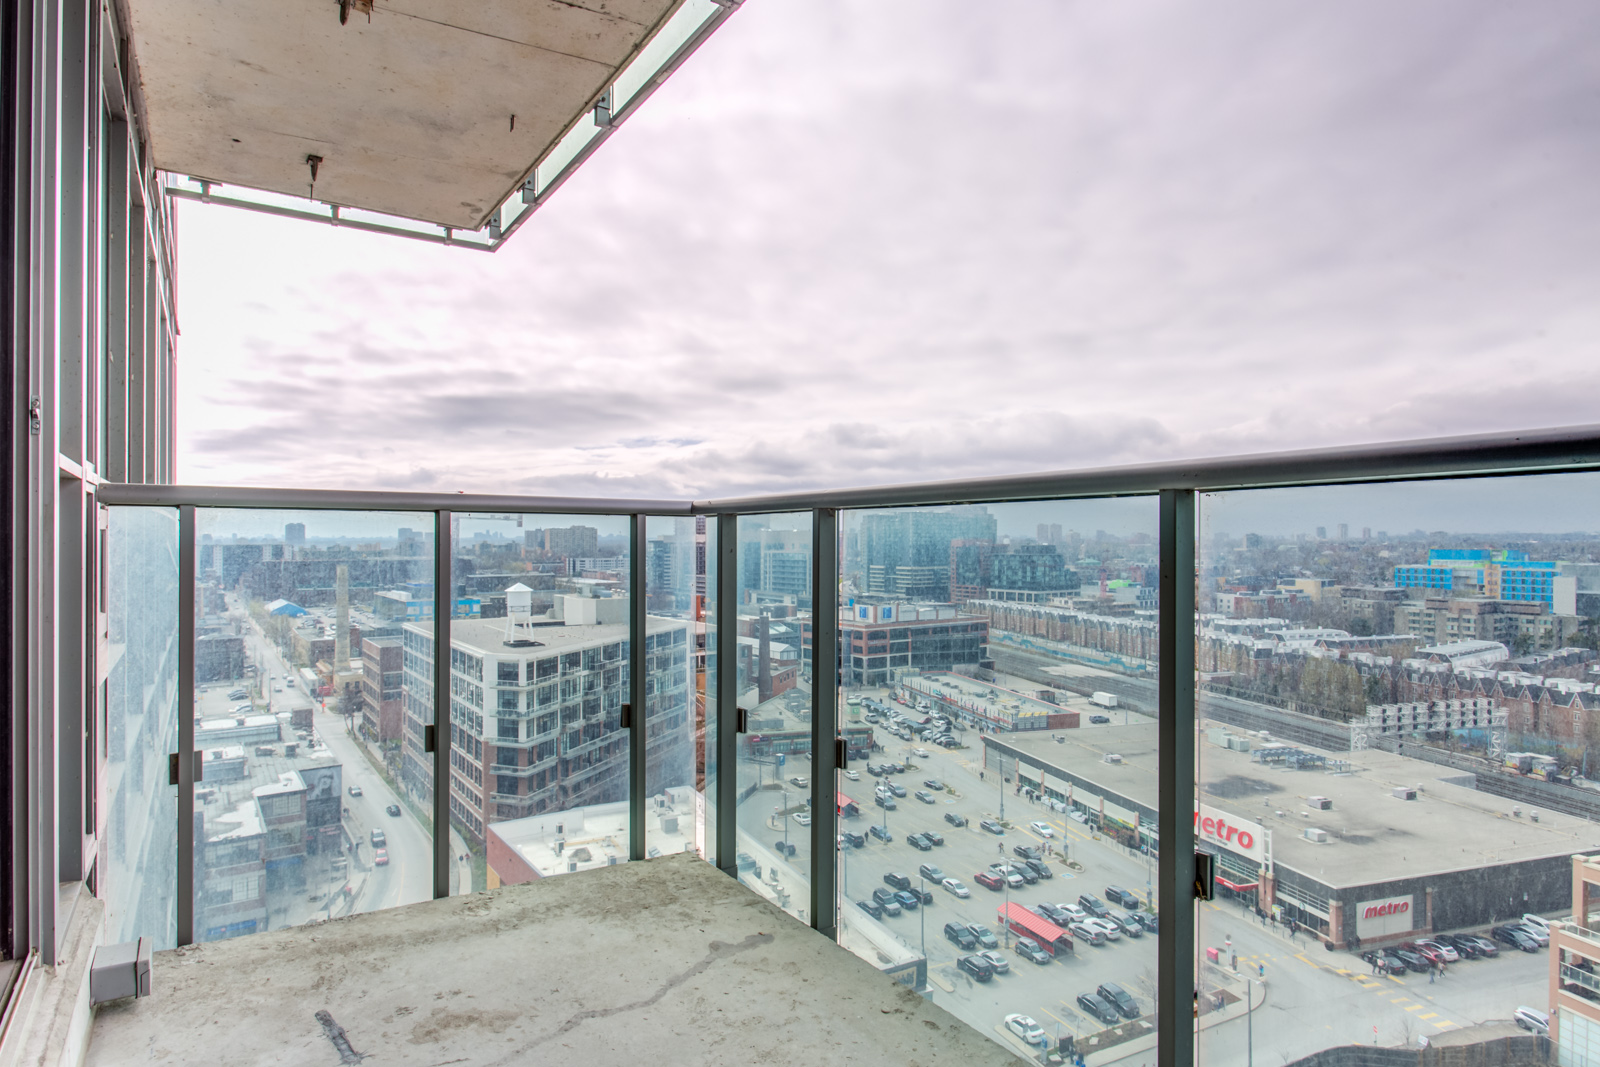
1175 948
186 757
637 640
443 608
824 719
726 638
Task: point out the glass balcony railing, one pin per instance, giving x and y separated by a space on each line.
984 736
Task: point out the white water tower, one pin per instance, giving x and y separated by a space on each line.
519 610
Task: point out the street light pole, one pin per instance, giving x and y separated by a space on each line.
1249 1026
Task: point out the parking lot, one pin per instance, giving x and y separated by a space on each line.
1313 998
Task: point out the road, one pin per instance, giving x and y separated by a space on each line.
408 876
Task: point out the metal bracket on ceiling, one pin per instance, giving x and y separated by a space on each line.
602 110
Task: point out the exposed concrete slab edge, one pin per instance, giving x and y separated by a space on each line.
54 1017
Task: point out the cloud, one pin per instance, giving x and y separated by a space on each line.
854 243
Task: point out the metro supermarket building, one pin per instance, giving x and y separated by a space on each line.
1370 863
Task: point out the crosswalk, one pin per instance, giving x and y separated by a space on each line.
1395 990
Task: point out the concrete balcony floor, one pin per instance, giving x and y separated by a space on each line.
663 962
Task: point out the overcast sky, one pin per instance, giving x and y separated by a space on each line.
868 241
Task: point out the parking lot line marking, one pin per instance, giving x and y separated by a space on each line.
1060 1020
1414 1007
1447 1022
1430 1015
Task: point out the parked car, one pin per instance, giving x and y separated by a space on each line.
379 839
1485 946
1427 952
1439 945
1043 829
934 784
886 803
1131 926
802 817
1027 852
380 858
960 936
1011 877
1095 1005
1412 960
1532 1019
1106 926
984 935
1094 906
897 880
854 840
799 783
1538 922
1000 964
1042 869
1029 949
1099 720
989 880
1386 963
1516 937
955 887
955 820
920 843
1054 914
1074 912
875 770
1120 999
976 966
393 809
1026 1029
1149 921
355 790
871 907
238 694
992 827
924 796
880 833
1089 935
930 872
1122 898
1540 934
933 838
854 776
885 900
1463 945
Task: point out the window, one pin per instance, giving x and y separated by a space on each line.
508 730
509 672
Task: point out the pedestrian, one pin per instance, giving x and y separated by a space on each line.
1261 970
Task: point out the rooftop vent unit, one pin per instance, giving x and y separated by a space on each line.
1320 803
1404 792
1319 836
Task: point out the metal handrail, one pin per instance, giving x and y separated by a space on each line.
1574 448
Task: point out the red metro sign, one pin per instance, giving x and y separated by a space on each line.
1387 907
1240 836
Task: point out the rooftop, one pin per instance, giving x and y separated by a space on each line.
1372 834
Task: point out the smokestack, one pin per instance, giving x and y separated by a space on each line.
341 630
764 668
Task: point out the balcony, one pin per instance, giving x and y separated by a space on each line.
772 831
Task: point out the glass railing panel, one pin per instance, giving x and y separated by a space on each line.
137 868
539 674
683 25
676 734
1397 720
774 754
313 685
997 821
